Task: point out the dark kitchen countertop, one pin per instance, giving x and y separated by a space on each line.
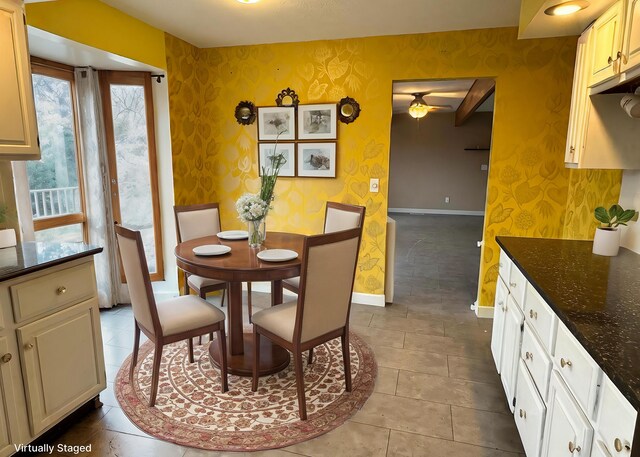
32 256
596 297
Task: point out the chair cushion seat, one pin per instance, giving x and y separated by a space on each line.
279 319
198 282
295 282
185 313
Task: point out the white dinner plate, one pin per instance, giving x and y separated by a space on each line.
277 255
233 235
211 249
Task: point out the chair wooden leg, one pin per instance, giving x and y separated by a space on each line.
347 359
186 284
134 356
190 346
155 374
222 347
310 358
302 403
210 336
224 291
256 358
249 301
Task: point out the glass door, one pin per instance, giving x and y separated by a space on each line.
128 116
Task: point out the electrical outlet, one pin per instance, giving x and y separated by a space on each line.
446 199
484 167
374 185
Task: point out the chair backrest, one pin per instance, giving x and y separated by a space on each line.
326 283
197 221
340 216
137 274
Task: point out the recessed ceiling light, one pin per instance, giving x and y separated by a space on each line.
248 1
565 8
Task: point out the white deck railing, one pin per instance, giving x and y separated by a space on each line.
55 202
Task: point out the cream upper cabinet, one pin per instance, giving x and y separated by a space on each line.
606 49
580 104
631 41
18 128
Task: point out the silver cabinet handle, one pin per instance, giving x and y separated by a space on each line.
513 284
565 363
501 303
619 446
528 355
6 358
573 448
523 414
61 290
28 346
533 314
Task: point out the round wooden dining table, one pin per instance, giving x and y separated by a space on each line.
240 265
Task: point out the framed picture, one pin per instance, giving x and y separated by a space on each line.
276 120
266 151
317 122
317 160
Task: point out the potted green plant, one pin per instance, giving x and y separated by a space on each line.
607 239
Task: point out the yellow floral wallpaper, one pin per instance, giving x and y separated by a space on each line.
529 190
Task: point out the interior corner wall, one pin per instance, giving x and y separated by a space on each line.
630 199
428 162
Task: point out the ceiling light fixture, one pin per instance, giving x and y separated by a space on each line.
248 1
565 8
418 107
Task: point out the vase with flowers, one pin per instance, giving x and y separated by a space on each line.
253 208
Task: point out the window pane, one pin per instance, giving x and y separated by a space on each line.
53 180
67 234
132 161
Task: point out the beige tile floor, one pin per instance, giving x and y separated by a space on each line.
437 392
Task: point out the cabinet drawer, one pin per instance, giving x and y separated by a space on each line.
45 294
616 420
497 330
504 266
541 317
536 360
529 413
517 285
577 368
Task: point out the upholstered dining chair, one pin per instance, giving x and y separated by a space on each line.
337 216
197 221
180 318
321 312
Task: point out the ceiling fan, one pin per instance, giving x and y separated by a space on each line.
418 107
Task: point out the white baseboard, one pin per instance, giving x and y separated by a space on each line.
485 312
450 212
357 297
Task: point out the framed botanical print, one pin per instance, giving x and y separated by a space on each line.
317 122
276 123
317 160
267 152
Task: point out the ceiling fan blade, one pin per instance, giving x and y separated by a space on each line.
440 106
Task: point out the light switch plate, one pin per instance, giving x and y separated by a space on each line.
484 167
374 185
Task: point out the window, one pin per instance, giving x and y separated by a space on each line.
55 181
127 102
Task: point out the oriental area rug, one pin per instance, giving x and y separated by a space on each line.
192 411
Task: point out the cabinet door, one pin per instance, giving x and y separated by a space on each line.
511 349
580 102
529 412
498 321
567 431
63 364
8 425
631 44
18 128
606 45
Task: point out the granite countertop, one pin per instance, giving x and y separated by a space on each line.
32 256
596 297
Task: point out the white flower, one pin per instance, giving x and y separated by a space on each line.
251 207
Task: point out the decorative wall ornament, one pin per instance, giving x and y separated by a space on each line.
245 113
348 110
287 97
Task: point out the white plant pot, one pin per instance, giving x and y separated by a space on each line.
606 242
7 238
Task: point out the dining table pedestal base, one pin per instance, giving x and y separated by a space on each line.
273 358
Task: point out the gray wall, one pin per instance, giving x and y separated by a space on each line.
428 162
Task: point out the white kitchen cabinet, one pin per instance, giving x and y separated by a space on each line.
599 450
18 128
580 103
529 412
504 266
541 317
517 286
567 430
8 368
606 50
511 340
631 41
497 330
615 420
536 360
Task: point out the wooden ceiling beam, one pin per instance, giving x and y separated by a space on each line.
479 92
